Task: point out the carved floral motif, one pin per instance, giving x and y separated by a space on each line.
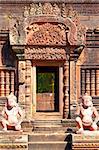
47 9
46 53
45 34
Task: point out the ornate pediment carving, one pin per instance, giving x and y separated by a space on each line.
50 9
46 34
45 53
54 12
46 24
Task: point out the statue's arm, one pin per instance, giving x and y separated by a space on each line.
20 112
4 115
96 114
78 110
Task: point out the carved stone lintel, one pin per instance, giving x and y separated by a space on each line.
45 53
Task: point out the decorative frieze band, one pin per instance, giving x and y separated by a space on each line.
45 53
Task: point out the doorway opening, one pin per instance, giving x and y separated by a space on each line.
47 89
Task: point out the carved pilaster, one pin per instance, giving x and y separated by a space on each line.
28 97
66 88
7 83
97 82
92 82
21 82
12 81
34 88
88 81
2 83
83 81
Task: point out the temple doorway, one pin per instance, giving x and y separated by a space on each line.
47 97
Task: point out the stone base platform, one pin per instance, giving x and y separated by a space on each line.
9 140
13 140
89 140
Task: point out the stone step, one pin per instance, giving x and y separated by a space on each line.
52 129
49 146
62 122
89 140
54 125
48 137
47 116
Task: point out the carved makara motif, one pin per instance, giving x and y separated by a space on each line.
45 34
81 34
14 31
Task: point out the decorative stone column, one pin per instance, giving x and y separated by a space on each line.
34 89
28 96
2 83
97 82
66 89
21 73
61 90
12 81
93 83
88 81
7 83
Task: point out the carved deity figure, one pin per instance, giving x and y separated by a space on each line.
12 114
87 115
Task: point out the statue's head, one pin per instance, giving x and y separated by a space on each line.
11 100
87 100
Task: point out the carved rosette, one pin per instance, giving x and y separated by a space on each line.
47 53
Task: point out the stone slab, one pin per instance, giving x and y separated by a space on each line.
13 140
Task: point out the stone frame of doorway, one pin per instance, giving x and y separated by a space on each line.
33 89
